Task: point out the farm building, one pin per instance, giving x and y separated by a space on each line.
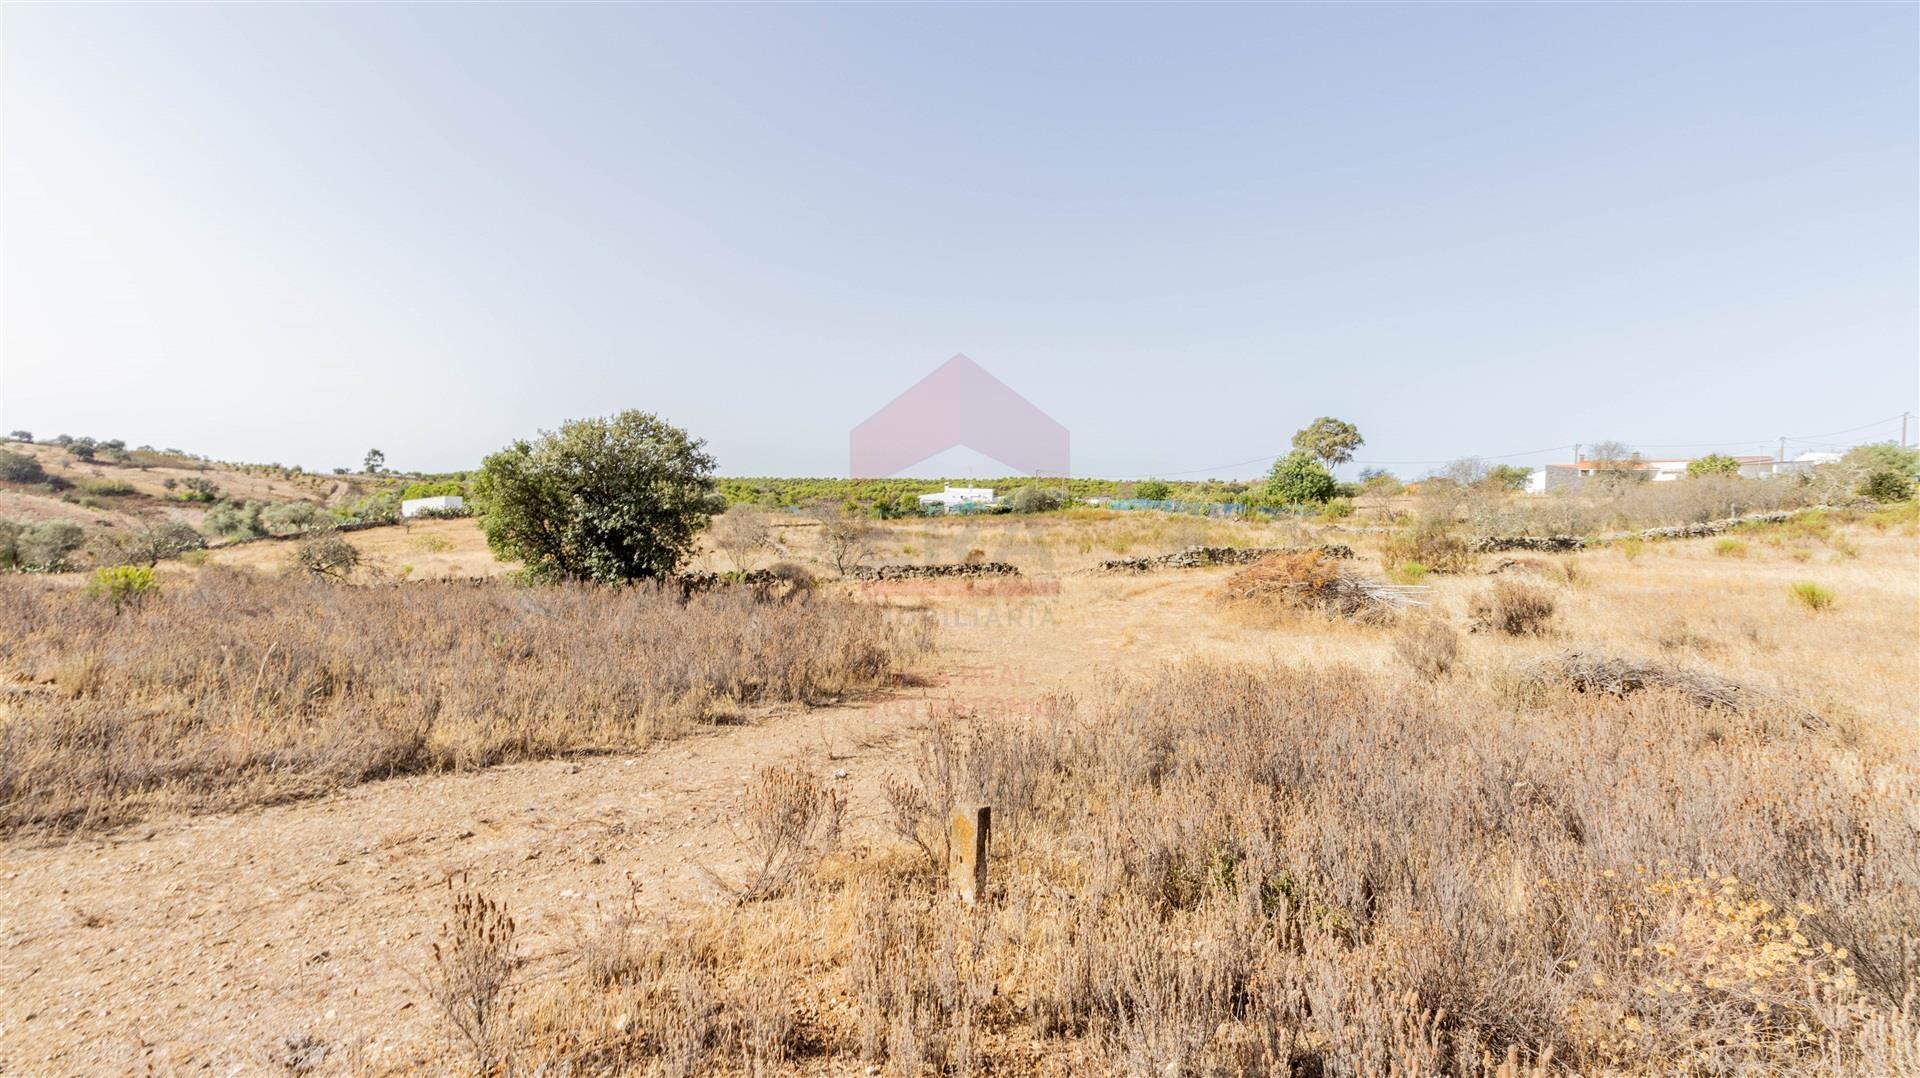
413 507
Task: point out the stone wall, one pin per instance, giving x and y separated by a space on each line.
922 572
1196 557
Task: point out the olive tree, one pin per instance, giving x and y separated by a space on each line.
157 541
605 500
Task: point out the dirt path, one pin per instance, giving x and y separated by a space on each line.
211 943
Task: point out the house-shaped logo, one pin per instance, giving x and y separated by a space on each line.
959 404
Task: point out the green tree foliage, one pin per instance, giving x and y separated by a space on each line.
374 461
1712 464
1380 483
20 468
1299 479
291 518
1328 440
1035 500
238 520
1508 476
1884 457
122 585
437 488
1888 486
157 542
199 490
606 500
46 547
1153 490
21 436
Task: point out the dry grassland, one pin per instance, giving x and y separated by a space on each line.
1229 838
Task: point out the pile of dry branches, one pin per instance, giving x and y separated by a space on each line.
1309 581
1585 671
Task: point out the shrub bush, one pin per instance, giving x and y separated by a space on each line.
199 490
158 542
326 557
1299 479
122 585
1730 548
1153 490
1431 543
20 468
238 520
293 518
46 547
1035 500
1337 509
105 488
1887 486
1514 609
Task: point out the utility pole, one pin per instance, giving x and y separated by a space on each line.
1782 456
1903 429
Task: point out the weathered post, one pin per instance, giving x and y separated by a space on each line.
971 826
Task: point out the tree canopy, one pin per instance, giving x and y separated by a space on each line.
1330 441
1299 479
1712 464
606 500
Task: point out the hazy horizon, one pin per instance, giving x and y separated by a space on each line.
293 233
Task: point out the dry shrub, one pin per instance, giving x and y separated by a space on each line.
793 819
473 967
1306 580
1428 645
1239 870
1431 543
960 759
325 557
1514 609
1590 672
239 689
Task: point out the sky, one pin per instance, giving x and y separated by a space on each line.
282 233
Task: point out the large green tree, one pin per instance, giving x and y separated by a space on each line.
606 500
1299 479
1328 440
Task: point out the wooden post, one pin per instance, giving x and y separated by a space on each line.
972 826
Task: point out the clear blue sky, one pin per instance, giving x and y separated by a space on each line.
290 233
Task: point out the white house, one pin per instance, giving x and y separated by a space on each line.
956 497
413 507
1805 462
1661 470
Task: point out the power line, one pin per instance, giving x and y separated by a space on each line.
1849 430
